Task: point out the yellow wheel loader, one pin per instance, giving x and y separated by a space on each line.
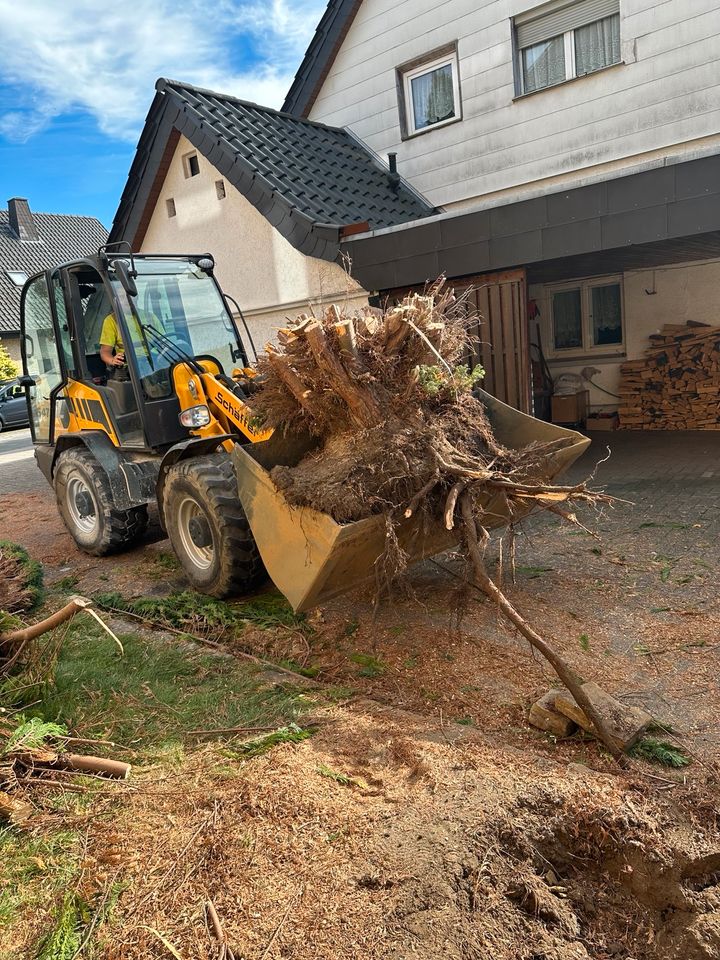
139 391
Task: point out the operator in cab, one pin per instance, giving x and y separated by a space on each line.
112 351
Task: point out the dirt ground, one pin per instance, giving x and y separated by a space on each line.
435 845
426 819
635 610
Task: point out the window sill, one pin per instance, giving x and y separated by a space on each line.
564 83
576 356
434 126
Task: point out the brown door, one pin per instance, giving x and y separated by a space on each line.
499 332
500 336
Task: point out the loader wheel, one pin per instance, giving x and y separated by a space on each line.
87 507
208 529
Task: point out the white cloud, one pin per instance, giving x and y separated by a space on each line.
81 54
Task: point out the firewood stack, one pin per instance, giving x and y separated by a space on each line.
677 385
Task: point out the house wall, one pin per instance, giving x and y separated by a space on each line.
255 264
662 101
677 293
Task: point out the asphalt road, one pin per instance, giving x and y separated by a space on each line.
18 471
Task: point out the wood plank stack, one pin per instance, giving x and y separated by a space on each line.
676 386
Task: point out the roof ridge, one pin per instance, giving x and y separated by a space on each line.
163 83
67 216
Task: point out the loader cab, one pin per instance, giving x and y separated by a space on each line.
170 310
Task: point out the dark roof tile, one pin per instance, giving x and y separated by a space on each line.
61 238
280 163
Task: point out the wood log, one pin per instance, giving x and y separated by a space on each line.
363 409
283 370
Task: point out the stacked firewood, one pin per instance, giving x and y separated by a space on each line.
676 386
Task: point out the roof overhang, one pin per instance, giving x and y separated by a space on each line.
667 214
169 118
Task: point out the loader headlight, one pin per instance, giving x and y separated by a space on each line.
195 416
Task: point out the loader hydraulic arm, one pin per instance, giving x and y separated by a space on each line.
228 412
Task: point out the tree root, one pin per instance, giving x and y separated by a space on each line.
564 671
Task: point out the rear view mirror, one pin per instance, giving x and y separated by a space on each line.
125 277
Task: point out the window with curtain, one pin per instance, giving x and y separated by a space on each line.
587 316
432 95
571 38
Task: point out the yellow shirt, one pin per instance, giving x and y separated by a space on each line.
110 334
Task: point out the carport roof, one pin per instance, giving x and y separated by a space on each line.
310 180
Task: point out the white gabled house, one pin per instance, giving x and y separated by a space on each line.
564 157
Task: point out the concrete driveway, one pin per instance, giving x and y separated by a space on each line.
18 471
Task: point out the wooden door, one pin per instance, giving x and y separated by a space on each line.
500 334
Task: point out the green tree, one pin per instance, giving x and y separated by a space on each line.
8 367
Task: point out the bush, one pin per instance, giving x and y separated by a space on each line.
8 368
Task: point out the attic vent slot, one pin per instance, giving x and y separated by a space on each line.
191 165
170 204
220 189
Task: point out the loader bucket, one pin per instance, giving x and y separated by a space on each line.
311 558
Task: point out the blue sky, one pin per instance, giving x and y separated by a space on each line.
76 83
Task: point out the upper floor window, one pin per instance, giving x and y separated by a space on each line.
564 39
430 95
587 317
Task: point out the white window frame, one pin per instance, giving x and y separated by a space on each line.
428 66
13 274
570 62
588 348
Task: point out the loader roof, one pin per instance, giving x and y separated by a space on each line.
308 179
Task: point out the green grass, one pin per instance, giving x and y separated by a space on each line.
369 666
195 612
155 693
342 778
33 572
661 752
532 572
260 745
584 642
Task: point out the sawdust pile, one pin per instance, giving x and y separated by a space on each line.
389 398
385 837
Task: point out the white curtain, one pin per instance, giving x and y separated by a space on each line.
597 45
433 97
543 64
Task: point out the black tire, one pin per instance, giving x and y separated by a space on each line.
2 425
208 528
87 507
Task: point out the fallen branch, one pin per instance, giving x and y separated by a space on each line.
559 665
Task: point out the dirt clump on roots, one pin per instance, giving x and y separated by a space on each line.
388 397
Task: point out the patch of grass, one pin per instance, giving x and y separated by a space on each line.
670 525
154 693
196 612
466 721
342 778
66 584
260 745
661 752
660 609
167 561
63 941
410 662
32 569
337 694
369 666
533 572
665 573
304 671
351 628
584 642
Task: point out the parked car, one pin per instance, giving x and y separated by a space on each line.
13 406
